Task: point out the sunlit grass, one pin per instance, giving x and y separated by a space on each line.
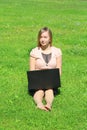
20 22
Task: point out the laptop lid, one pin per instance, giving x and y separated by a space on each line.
43 79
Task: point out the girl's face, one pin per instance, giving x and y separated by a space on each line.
45 39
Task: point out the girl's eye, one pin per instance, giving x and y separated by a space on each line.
43 37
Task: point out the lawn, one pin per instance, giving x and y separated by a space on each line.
20 21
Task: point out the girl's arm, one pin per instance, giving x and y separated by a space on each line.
59 64
32 63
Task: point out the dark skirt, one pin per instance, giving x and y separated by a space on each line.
56 91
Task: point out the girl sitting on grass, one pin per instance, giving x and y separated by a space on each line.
45 56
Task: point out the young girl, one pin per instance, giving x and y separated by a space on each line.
45 56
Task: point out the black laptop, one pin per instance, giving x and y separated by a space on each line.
43 79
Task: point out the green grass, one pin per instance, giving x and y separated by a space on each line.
20 21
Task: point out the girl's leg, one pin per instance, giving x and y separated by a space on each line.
38 97
49 96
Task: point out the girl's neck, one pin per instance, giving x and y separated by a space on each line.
46 49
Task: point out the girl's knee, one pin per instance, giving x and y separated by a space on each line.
49 91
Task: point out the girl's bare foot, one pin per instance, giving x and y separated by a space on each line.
41 106
48 107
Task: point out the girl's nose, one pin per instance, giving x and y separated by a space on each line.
42 39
